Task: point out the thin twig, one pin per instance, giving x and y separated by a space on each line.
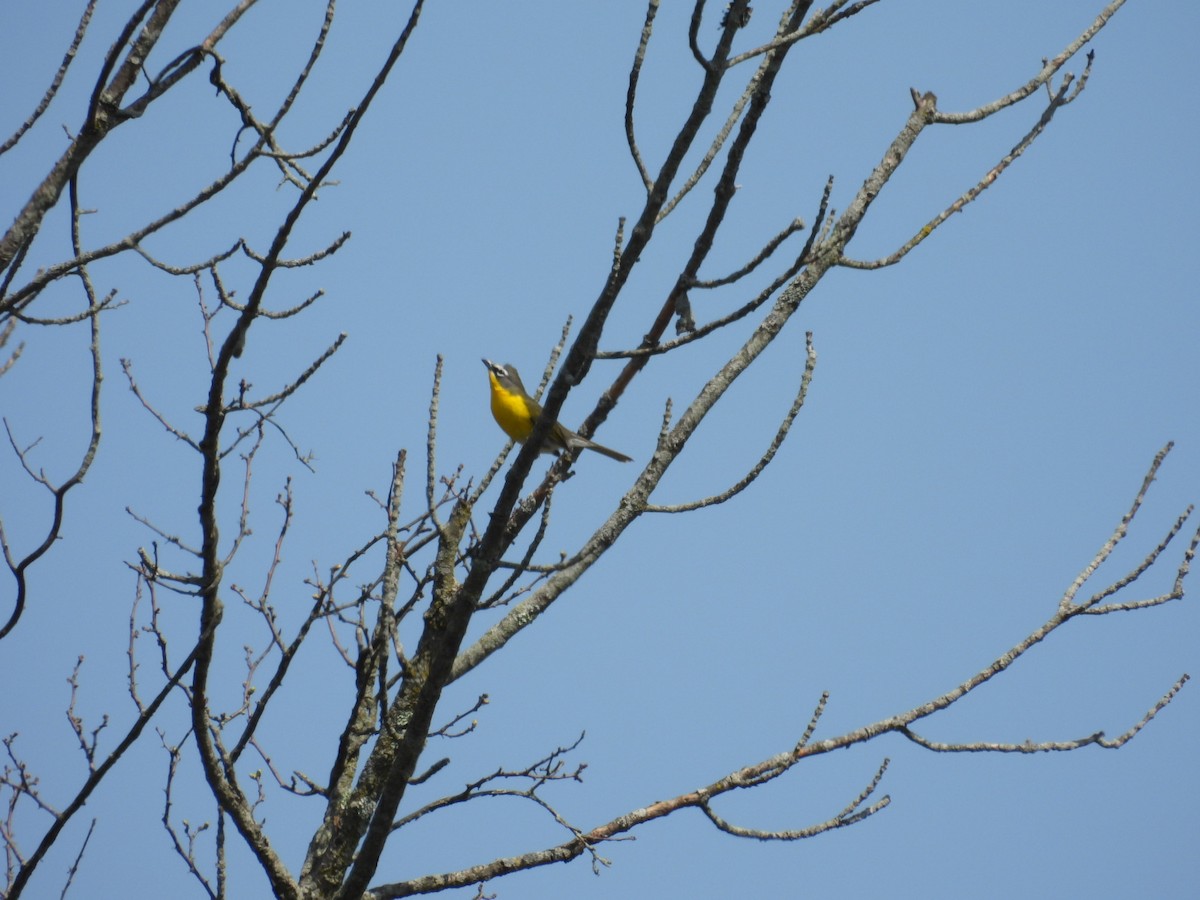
765 459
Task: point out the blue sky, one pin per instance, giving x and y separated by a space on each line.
980 418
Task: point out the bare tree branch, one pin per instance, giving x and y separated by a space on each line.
1060 98
56 82
59 492
631 95
766 458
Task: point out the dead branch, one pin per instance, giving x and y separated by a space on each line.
1060 98
52 90
631 95
766 458
58 492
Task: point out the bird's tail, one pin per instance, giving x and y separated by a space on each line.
599 448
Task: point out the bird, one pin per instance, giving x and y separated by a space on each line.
516 413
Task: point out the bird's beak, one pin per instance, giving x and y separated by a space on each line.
488 363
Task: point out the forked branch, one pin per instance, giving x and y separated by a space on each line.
1060 98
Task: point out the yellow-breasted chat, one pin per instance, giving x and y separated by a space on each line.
516 413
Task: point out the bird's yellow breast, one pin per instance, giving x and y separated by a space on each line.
511 411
